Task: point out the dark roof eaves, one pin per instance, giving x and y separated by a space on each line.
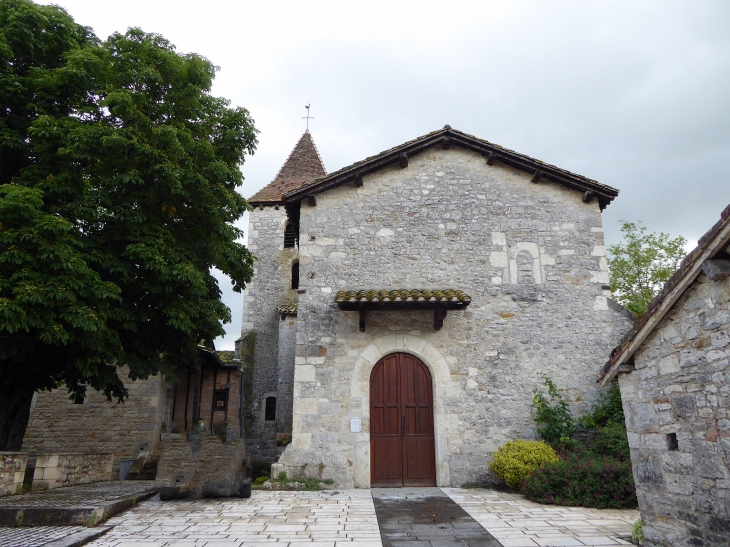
604 193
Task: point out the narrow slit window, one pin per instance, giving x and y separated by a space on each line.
672 443
270 412
295 275
290 238
78 398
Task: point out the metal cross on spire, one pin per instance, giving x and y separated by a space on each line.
307 117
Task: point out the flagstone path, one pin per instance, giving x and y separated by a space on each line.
349 518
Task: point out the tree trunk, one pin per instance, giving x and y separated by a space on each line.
15 403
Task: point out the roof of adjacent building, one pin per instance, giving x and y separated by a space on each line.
288 309
303 165
447 137
403 295
715 243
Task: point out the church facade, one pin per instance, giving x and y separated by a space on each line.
404 308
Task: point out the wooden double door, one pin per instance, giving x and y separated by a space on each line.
401 423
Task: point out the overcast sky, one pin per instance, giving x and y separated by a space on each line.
633 94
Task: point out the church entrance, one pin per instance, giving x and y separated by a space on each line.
401 423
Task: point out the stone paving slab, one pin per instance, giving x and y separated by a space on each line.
518 522
426 517
82 505
49 536
294 519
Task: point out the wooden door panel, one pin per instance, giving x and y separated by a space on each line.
401 423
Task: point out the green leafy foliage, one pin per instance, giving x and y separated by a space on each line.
612 441
641 264
608 410
517 459
261 469
118 195
637 533
598 482
555 421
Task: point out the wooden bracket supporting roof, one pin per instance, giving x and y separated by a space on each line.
438 319
446 143
403 159
358 181
312 200
491 157
536 177
362 319
588 196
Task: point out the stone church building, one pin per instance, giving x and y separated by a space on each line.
404 308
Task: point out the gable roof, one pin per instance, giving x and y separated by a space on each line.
711 245
451 137
303 164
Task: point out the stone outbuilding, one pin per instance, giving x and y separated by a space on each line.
674 374
403 308
157 419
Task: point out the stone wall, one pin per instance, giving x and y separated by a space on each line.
56 470
269 288
285 385
204 466
532 258
678 420
12 471
58 425
185 398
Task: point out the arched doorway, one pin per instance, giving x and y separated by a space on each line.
402 451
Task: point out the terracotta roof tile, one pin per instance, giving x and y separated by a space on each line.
303 165
604 193
288 309
403 295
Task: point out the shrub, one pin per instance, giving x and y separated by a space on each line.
517 459
555 422
607 411
637 533
599 482
613 442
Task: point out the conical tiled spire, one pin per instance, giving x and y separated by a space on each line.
303 165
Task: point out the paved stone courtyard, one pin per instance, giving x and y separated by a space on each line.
347 519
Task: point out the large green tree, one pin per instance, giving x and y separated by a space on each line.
118 177
641 264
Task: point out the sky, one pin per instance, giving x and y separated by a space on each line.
634 94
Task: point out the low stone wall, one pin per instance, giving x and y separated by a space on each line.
12 470
56 470
204 466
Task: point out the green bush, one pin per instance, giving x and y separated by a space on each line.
555 422
261 480
612 441
578 480
637 533
517 459
607 411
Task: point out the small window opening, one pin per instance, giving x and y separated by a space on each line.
79 398
672 442
295 275
270 413
290 238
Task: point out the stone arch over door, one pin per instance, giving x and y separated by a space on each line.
443 386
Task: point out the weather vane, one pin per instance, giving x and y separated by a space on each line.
307 117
